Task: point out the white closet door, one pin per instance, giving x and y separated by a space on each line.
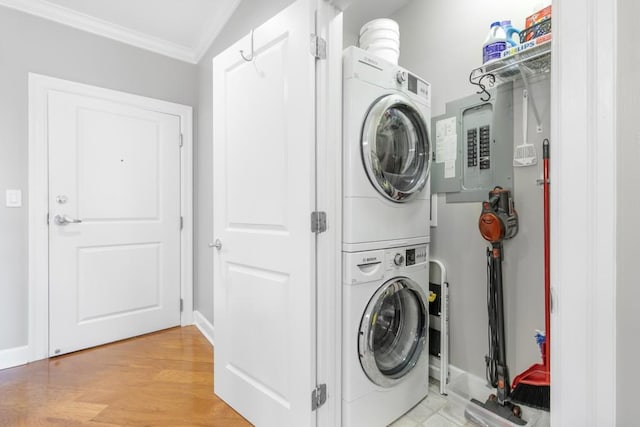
264 193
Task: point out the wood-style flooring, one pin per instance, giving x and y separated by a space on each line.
160 379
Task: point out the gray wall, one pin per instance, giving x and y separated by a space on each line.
628 234
30 44
442 42
250 13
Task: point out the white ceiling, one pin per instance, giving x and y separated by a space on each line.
182 29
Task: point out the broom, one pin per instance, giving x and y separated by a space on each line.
533 386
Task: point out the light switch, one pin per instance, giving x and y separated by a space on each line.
14 198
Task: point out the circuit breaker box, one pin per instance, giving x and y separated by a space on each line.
473 149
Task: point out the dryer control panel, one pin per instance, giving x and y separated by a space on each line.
368 68
406 257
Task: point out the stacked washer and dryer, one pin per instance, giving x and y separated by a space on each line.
386 200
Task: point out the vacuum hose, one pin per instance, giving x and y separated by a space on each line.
497 370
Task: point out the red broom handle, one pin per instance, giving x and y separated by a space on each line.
547 273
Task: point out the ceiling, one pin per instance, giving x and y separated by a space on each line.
181 29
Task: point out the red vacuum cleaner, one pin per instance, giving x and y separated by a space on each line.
498 222
533 386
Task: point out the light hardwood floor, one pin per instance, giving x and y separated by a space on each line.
160 379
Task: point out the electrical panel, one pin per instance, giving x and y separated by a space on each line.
473 149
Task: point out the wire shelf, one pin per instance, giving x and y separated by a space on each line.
523 61
531 61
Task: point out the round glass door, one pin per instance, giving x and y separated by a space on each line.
396 148
393 331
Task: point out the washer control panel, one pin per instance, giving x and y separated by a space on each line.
406 257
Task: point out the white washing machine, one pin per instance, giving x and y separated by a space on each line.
387 146
385 355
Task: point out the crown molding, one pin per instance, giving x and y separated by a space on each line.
214 26
107 29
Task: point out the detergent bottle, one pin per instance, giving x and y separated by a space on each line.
495 43
512 34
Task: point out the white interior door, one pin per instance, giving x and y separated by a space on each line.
114 210
264 193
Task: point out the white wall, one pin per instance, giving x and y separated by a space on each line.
30 44
358 12
442 42
250 13
628 234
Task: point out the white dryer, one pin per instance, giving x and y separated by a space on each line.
385 355
386 150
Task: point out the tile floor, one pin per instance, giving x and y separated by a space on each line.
436 410
431 412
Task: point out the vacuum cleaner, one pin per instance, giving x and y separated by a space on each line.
498 222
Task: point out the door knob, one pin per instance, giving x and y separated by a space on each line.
217 244
64 220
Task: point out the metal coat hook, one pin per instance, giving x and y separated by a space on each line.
250 58
476 78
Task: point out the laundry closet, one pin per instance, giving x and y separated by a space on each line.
436 44
442 43
440 60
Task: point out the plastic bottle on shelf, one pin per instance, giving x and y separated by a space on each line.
495 43
510 33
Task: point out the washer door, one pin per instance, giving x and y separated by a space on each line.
393 331
396 148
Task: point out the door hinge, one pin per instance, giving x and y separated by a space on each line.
181 305
181 140
318 47
47 218
181 223
318 396
318 222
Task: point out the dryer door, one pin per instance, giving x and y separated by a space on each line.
393 331
396 148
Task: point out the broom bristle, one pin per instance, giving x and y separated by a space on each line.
535 396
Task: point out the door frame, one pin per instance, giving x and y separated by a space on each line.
583 213
38 279
329 26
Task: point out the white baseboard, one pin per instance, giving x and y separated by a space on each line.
14 357
434 370
455 372
203 324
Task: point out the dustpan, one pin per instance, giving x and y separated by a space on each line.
525 153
